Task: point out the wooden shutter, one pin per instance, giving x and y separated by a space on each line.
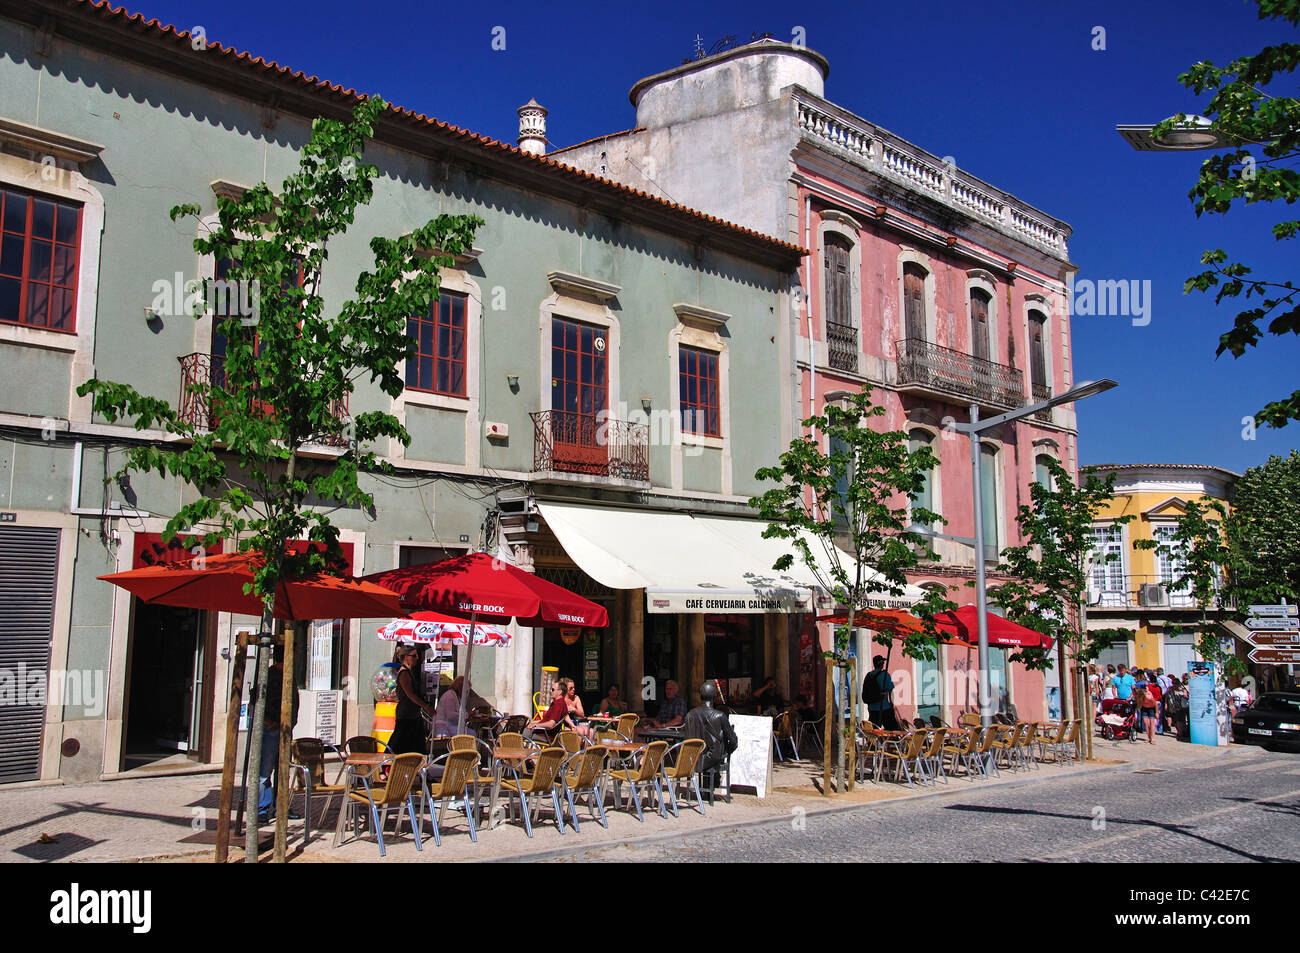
914 302
29 569
839 300
979 324
1037 354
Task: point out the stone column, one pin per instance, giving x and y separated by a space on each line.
694 675
778 635
634 649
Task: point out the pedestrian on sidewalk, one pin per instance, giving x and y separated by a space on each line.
1145 699
408 728
877 692
1108 683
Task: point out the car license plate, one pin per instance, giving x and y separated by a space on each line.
1260 731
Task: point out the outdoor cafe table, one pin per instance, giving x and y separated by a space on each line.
501 757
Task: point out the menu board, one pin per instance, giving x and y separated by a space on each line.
751 763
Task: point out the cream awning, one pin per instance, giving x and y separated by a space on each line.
686 563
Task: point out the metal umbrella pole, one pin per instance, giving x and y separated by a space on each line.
469 661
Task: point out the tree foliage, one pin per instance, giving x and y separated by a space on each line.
1049 570
289 367
1249 106
855 498
1263 531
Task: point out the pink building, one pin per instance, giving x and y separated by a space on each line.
930 287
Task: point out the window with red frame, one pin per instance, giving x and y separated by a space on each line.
40 239
438 365
699 392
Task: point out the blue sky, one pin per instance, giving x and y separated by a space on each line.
1013 91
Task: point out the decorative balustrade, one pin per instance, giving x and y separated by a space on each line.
884 153
596 445
948 373
200 372
1108 589
842 346
1037 394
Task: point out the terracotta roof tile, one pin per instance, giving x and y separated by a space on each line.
165 32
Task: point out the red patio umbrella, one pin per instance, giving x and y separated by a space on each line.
964 624
217 583
897 622
490 589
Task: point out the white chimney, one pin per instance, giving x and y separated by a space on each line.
532 128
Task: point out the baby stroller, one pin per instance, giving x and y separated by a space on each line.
1117 719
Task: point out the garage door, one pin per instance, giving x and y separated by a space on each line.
29 565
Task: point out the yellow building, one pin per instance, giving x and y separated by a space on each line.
1137 591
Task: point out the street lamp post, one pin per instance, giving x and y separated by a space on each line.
975 430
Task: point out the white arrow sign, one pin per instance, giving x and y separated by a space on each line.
1270 625
1275 611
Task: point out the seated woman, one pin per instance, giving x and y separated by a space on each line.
612 703
577 717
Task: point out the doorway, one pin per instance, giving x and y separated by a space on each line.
168 688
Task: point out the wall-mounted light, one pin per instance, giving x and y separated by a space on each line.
512 380
531 526
645 404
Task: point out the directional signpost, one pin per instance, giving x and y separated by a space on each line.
1275 633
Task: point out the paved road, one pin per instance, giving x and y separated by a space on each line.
1245 811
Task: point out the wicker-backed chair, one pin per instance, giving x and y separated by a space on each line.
309 776
1070 743
969 719
531 790
1050 738
570 741
932 756
403 770
512 724
908 756
626 726
1006 743
987 755
868 749
810 732
681 770
646 775
1029 741
364 744
511 739
583 777
966 751
459 773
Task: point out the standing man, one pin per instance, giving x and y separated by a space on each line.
1124 683
877 692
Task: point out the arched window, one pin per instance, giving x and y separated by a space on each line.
979 324
841 327
1043 472
914 301
990 511
1041 388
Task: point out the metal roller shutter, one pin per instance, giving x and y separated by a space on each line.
29 567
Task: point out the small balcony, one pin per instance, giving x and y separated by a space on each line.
1126 592
1038 394
936 371
591 445
842 347
199 372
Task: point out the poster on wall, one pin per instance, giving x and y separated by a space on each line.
1202 704
807 660
751 763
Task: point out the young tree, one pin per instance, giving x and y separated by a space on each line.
1200 551
1249 108
1048 588
852 499
290 363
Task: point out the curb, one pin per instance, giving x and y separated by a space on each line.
557 852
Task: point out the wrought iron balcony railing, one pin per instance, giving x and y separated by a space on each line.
200 372
944 372
592 444
1129 591
842 346
1039 393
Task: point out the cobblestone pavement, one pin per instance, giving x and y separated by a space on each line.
1222 810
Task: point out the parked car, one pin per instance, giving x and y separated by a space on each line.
1272 721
